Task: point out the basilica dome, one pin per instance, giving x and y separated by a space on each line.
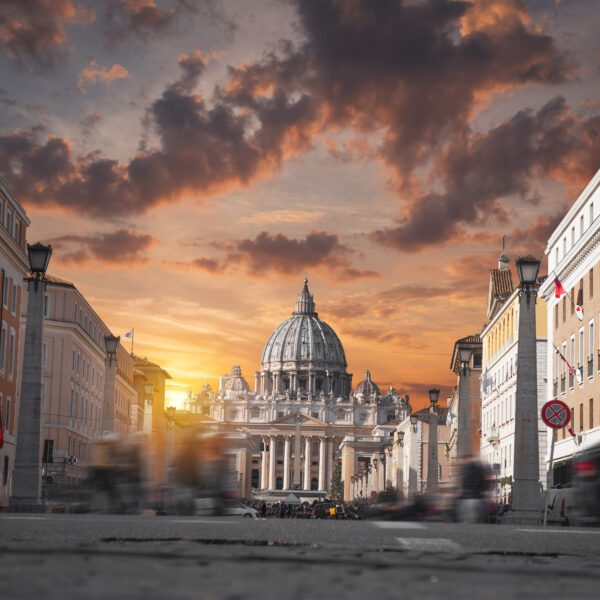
304 352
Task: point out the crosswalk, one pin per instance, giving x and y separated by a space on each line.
424 545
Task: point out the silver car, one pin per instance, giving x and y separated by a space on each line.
237 509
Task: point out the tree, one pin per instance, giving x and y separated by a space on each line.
337 485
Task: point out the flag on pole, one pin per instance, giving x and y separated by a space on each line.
559 290
572 370
128 335
449 417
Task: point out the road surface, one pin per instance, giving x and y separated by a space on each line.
96 556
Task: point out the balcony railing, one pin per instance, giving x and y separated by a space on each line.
590 369
563 381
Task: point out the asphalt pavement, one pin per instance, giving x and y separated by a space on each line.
102 556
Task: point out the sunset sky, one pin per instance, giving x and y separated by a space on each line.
191 161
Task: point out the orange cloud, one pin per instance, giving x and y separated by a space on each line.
94 74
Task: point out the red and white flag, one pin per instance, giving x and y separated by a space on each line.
559 290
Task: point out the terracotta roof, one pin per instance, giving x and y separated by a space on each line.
501 282
470 339
56 280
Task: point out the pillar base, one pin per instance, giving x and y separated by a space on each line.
27 505
522 517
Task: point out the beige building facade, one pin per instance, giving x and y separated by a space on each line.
573 253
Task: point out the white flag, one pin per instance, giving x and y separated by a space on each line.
128 335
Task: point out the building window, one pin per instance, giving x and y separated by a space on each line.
591 213
5 292
7 425
314 484
564 305
564 247
5 471
556 316
581 226
592 282
581 417
8 220
591 415
581 349
14 299
3 346
556 256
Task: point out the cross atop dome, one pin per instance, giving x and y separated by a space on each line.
305 304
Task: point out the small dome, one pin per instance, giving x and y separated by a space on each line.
236 382
367 387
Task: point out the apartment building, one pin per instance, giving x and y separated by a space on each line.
14 265
500 340
73 381
573 252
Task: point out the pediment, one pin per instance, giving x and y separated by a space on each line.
294 418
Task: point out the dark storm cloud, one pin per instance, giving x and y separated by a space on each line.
411 72
33 31
120 247
481 171
276 253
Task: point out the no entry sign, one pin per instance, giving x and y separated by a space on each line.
556 414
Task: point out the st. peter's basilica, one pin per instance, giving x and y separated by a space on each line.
285 435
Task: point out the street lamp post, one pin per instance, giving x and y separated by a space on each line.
525 489
111 343
432 462
463 433
27 478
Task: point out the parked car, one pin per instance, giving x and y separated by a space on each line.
586 487
238 509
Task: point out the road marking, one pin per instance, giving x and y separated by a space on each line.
429 544
23 518
571 531
204 521
398 525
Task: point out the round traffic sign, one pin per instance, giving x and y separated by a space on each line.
556 414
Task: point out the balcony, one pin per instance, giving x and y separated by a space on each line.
590 369
563 381
493 437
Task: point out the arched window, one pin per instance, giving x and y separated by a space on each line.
279 483
314 484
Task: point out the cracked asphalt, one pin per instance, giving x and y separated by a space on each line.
98 556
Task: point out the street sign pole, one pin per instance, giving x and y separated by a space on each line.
550 477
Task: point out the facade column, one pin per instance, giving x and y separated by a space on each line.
307 462
412 459
263 468
286 463
322 464
272 454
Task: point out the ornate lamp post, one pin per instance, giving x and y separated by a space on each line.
111 343
463 442
412 455
27 479
432 462
526 488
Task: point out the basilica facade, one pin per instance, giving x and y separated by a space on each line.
285 435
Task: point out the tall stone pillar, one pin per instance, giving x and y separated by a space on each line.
286 463
432 452
322 464
329 461
110 386
263 468
526 469
272 454
463 432
27 477
412 460
307 463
